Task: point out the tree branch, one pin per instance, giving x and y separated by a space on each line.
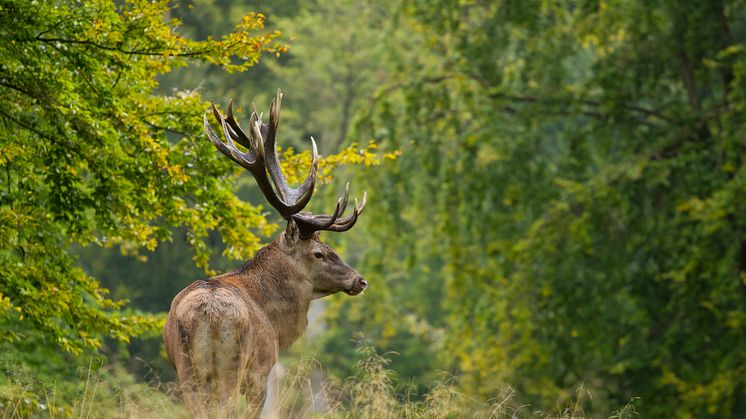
18 89
118 49
559 101
162 128
24 125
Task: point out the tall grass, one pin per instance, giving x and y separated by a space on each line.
98 391
301 392
371 393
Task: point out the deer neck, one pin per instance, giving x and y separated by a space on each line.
281 290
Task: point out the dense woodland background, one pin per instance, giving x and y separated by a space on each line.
557 191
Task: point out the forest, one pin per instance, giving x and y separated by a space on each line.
554 226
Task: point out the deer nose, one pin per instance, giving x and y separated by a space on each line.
362 282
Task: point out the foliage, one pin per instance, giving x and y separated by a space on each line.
86 158
566 207
333 82
92 155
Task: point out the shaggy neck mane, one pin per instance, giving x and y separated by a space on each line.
259 258
281 291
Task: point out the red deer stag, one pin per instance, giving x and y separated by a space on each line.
222 335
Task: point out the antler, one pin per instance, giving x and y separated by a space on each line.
262 158
309 223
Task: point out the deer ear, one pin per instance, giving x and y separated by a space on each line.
292 234
316 235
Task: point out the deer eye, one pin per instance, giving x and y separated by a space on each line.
319 255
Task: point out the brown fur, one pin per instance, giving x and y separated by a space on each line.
222 335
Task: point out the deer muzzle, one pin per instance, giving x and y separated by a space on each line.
358 285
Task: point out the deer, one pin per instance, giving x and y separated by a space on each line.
222 335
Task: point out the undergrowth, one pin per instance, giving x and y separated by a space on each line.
108 392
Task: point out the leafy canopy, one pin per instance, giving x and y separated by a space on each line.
92 154
580 167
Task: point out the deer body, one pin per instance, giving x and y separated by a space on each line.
223 335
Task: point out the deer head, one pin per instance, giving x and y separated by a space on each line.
327 272
317 262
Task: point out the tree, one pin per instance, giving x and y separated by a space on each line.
91 154
566 207
336 81
86 157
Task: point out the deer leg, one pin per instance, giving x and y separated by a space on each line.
273 401
228 389
255 390
191 391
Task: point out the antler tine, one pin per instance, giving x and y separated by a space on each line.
345 199
338 211
305 190
348 222
239 134
273 164
252 159
285 200
299 197
308 223
245 160
256 135
359 210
